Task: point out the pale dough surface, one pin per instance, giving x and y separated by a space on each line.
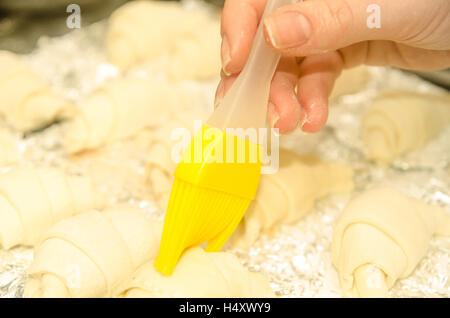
399 121
190 44
199 274
283 197
120 109
26 101
380 237
111 253
350 81
91 254
290 193
8 150
32 199
163 144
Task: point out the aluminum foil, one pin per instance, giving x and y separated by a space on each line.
296 258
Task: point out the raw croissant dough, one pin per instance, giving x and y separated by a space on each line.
8 151
95 254
26 101
117 110
282 197
190 42
199 274
32 199
160 164
401 121
91 254
286 196
380 237
350 81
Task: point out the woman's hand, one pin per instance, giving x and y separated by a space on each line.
319 38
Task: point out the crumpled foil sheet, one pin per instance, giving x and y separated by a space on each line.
296 258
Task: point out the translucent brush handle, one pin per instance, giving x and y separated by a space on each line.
245 104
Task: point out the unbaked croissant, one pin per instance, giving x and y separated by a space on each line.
197 56
199 274
161 148
26 101
350 81
399 121
380 237
287 195
283 197
190 41
32 199
117 110
92 254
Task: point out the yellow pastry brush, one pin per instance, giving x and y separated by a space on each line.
219 172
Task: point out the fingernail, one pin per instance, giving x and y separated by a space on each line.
272 115
225 54
287 30
219 94
303 121
217 102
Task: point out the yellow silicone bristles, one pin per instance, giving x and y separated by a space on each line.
213 187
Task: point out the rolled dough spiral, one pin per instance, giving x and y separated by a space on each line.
199 274
92 254
26 101
160 163
283 197
117 110
398 122
32 199
290 193
190 42
380 237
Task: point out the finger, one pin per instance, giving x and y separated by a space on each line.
219 93
317 76
314 27
284 110
389 53
240 19
223 87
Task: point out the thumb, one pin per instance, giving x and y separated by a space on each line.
314 27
